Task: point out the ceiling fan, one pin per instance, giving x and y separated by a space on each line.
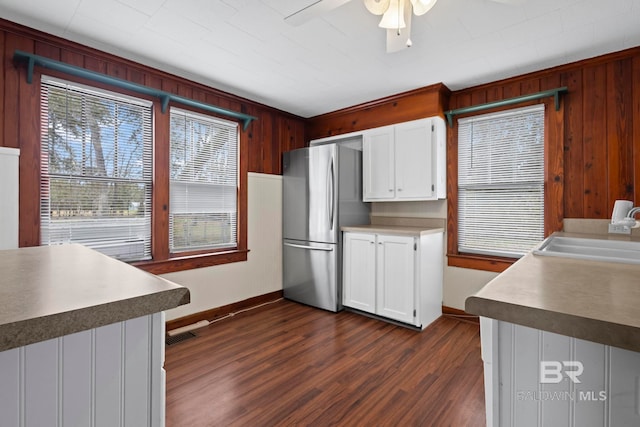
396 16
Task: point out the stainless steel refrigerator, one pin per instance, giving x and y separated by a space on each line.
322 191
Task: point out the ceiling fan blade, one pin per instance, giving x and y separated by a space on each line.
420 7
399 38
315 9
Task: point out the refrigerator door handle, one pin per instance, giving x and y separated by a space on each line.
313 248
332 185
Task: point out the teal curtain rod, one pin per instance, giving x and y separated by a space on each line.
506 102
165 97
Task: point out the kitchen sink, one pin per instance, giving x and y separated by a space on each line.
623 251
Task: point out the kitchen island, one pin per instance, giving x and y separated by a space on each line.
81 339
561 342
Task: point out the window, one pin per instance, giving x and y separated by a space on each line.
96 170
164 191
203 182
501 182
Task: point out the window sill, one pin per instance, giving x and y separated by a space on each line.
192 261
480 262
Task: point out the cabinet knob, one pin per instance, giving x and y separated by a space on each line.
391 189
399 189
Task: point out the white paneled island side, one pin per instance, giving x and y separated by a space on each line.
81 339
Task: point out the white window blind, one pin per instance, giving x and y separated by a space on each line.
501 182
96 169
203 182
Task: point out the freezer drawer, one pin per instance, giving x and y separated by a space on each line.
310 273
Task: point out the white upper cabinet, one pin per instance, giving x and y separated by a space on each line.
378 154
406 161
415 177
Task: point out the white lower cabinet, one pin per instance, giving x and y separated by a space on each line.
538 378
398 277
359 271
395 274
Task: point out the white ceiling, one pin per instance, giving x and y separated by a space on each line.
339 59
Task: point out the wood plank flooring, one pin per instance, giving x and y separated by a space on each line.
288 364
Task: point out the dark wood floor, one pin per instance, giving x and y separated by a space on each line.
288 364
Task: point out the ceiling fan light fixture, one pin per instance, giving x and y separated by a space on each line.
377 7
420 7
393 18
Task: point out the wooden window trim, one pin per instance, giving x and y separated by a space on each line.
162 261
190 262
553 189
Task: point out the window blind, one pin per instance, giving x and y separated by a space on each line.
203 182
96 169
501 182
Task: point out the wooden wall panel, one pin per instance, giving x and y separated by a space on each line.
479 97
635 117
255 158
11 88
594 140
72 58
289 134
573 147
554 174
619 130
3 99
549 82
417 104
530 86
511 90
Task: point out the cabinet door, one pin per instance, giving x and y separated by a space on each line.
414 160
359 284
396 277
378 164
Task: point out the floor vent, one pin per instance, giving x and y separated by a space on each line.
179 338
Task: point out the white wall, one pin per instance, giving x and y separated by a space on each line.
459 283
261 274
9 197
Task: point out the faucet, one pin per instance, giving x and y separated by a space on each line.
623 217
632 212
629 221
